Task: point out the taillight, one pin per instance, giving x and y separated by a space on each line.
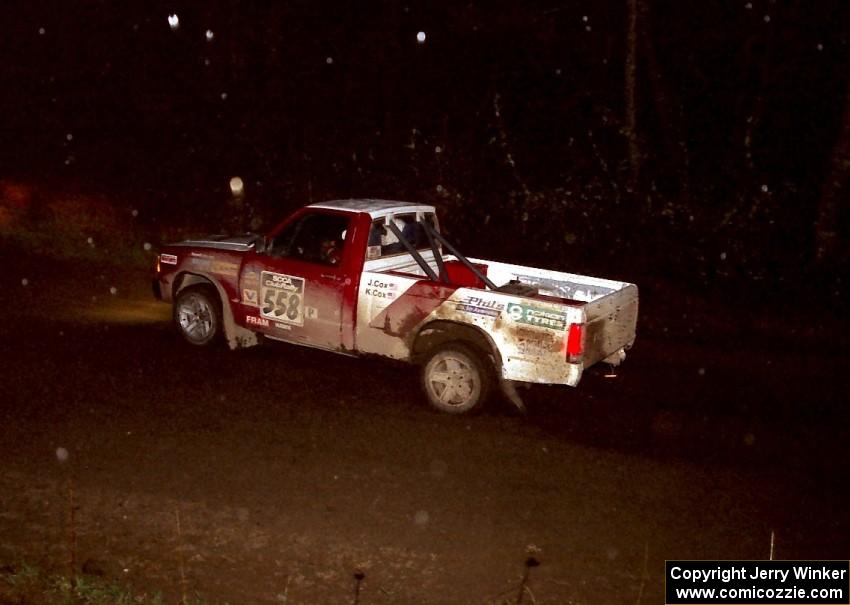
575 343
158 268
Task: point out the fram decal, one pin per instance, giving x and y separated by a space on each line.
282 298
480 306
536 316
253 320
168 259
250 297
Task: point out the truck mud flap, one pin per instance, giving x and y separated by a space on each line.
508 388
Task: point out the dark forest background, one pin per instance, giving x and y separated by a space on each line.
705 142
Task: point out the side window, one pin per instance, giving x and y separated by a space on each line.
383 242
316 238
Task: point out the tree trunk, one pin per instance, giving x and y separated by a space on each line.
834 192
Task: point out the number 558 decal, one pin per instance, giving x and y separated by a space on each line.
282 298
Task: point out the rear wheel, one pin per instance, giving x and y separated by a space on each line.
456 378
197 314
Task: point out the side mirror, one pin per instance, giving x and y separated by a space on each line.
260 244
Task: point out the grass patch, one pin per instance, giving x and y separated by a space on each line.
26 584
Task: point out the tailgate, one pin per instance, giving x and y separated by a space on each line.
611 324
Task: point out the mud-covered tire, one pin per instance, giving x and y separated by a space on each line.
456 378
197 315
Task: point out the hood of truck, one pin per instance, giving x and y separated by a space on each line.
235 243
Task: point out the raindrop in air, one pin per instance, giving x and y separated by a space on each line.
25 282
329 60
224 96
820 46
69 137
236 186
113 290
41 31
147 246
135 212
173 21
420 37
764 188
421 517
438 149
210 35
767 18
61 454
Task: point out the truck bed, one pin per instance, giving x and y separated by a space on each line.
610 306
606 308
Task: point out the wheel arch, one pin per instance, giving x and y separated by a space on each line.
186 279
440 332
237 337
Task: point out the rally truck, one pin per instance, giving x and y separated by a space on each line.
377 277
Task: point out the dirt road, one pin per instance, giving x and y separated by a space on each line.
273 475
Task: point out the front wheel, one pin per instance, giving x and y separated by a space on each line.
456 379
197 314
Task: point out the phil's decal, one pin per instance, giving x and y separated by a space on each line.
282 298
480 306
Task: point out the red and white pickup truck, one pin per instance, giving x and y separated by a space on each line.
376 277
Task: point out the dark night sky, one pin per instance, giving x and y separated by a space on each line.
507 112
